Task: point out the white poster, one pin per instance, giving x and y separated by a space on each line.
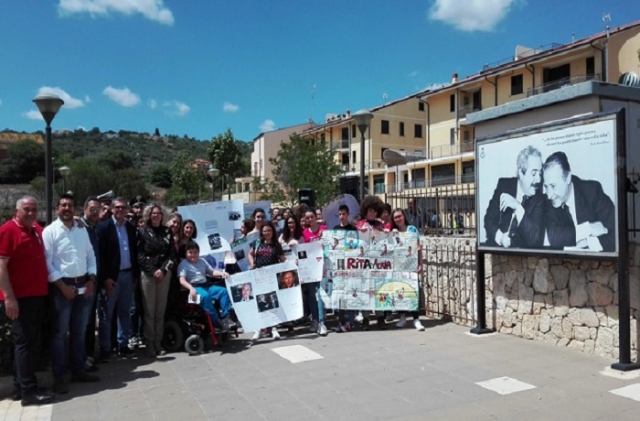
240 250
267 296
309 257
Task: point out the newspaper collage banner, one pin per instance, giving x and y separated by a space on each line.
267 296
371 271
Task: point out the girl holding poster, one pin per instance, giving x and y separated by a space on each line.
399 224
266 251
313 232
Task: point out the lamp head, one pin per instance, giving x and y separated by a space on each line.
48 105
64 171
362 119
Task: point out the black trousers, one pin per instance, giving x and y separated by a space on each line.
90 335
25 331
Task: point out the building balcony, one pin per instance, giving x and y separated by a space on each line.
427 183
561 83
450 150
469 108
340 145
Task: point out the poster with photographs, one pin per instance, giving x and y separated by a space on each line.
267 296
550 189
371 271
240 250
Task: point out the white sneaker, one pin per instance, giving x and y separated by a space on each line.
402 322
418 325
274 333
359 317
322 329
256 336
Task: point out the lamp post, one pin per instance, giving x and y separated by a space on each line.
363 120
64 172
48 105
213 173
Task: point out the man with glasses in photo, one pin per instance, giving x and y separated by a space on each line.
117 276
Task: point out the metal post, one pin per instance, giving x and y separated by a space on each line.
362 165
481 308
213 191
48 169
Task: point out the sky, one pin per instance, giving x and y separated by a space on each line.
200 67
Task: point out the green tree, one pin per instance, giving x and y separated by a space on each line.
160 175
302 163
116 160
24 162
225 155
184 175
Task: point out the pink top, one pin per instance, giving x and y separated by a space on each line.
310 236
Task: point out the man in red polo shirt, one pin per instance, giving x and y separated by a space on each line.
23 287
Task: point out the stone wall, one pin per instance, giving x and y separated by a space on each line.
565 302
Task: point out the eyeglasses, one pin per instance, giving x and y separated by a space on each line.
119 207
94 210
397 216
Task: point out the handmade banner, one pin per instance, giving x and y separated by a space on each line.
240 250
267 296
371 270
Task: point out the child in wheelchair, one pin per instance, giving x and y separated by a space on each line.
193 272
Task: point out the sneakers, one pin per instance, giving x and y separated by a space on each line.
160 352
126 353
227 324
134 342
60 387
256 336
84 378
359 317
274 333
418 325
388 317
402 322
322 329
314 326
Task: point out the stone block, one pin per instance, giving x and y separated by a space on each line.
567 328
604 341
525 297
599 294
574 317
574 344
545 323
550 338
589 346
581 333
560 276
563 342
561 302
634 287
578 296
600 275
593 331
588 317
539 302
556 327
529 326
542 282
517 330
528 278
507 318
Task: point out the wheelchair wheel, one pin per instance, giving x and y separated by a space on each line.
194 345
172 338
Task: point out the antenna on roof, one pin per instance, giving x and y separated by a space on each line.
606 19
313 92
384 98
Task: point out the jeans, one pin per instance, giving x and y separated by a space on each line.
217 293
137 313
309 295
154 298
120 300
90 334
72 316
327 286
25 333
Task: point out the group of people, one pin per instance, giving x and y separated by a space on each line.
547 206
123 265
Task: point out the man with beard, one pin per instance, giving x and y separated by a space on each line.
515 214
71 263
578 213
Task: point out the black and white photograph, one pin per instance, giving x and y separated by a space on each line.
242 293
214 241
239 255
234 216
302 254
550 190
268 301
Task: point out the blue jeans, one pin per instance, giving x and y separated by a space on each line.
121 300
72 316
327 285
217 293
309 296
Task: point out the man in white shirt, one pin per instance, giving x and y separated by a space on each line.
71 263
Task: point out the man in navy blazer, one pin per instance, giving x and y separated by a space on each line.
578 211
515 215
117 276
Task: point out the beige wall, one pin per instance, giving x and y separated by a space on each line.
267 146
623 54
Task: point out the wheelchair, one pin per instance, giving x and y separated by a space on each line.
188 326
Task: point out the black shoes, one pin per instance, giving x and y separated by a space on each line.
60 387
84 378
37 399
126 353
16 395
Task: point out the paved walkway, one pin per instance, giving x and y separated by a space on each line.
440 374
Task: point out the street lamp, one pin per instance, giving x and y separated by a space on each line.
213 173
48 105
64 172
363 120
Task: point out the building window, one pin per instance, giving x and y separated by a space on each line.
452 103
452 136
353 131
345 133
417 130
322 138
469 171
591 67
443 174
420 106
353 157
401 129
418 178
516 85
378 184
384 127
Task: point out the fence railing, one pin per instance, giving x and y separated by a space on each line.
450 150
428 183
340 144
469 108
561 83
441 211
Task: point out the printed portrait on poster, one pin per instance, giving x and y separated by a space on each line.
551 190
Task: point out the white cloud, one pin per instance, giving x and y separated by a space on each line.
123 96
176 108
471 15
151 9
87 99
69 101
228 107
33 115
267 126
153 104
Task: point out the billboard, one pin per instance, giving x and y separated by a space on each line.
550 189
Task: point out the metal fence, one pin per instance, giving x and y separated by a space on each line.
443 211
449 279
